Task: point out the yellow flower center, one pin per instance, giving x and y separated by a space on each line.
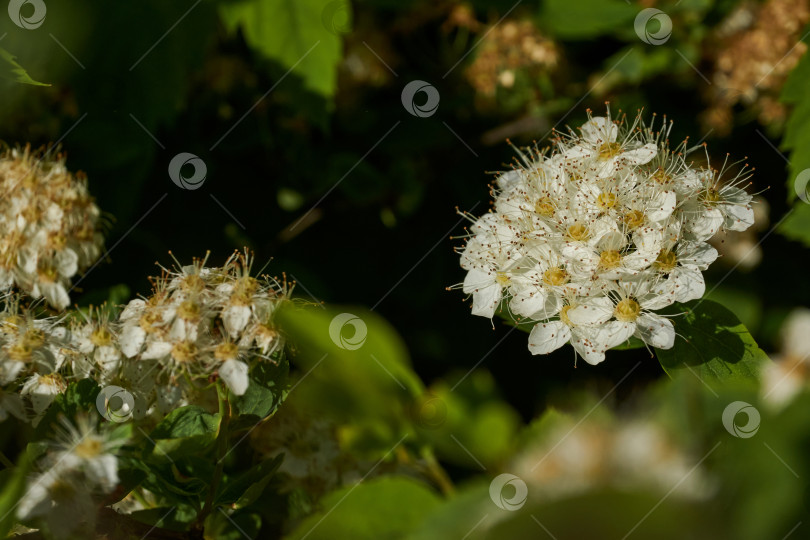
606 201
610 259
243 291
226 351
189 310
711 196
544 207
88 448
184 351
502 279
578 232
555 277
633 219
627 310
101 337
192 283
666 261
609 150
148 321
661 177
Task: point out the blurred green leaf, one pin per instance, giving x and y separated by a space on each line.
237 526
586 19
13 482
246 487
186 422
386 507
294 34
12 71
713 343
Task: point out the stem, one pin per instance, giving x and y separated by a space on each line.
438 474
221 452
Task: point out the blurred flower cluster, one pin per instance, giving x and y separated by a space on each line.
49 225
758 46
591 239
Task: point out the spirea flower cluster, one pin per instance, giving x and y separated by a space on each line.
199 323
591 238
49 226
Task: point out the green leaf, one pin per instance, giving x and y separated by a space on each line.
386 507
186 422
713 344
12 71
586 19
294 34
266 391
11 492
243 489
796 140
236 526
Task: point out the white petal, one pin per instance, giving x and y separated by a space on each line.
549 336
640 156
156 349
656 330
67 262
235 319
591 313
486 300
599 130
477 279
529 301
689 284
131 340
235 375
738 217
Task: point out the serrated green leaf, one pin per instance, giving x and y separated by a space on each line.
12 71
713 344
293 34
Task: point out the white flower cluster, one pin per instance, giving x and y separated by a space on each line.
49 226
591 239
200 322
